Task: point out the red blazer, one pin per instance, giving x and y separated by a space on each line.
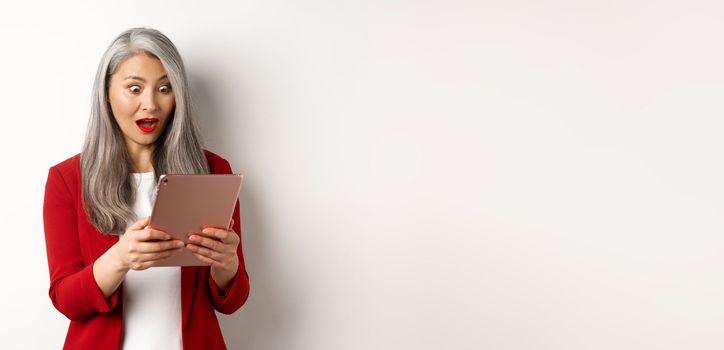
73 245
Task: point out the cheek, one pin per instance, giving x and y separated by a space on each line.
120 105
168 105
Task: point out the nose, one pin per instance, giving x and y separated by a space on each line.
148 101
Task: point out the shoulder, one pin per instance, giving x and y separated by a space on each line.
65 176
69 168
217 164
213 158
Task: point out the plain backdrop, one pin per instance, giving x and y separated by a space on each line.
419 174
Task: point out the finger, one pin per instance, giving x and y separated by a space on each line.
162 255
150 234
210 243
231 225
147 257
145 261
208 260
153 247
213 232
140 224
204 251
140 266
227 237
232 238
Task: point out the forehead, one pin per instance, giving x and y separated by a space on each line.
141 65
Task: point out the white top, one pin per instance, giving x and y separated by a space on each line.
152 297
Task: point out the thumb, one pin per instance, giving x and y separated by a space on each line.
140 224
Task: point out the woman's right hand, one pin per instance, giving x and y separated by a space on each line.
141 247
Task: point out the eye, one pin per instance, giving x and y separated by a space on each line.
134 89
165 88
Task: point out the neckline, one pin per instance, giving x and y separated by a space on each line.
143 175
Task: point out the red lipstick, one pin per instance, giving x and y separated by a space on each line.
147 125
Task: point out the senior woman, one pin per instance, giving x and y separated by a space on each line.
96 207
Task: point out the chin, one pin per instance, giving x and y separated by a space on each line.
145 141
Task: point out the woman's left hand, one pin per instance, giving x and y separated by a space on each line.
218 248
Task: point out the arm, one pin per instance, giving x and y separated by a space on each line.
108 273
139 248
228 281
236 291
79 290
73 289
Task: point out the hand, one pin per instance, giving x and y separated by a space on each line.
141 246
218 248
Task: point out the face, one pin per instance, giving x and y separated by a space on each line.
141 100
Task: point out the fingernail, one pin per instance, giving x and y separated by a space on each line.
166 237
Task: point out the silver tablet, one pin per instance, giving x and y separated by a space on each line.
186 204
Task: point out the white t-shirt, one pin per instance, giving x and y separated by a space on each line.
152 297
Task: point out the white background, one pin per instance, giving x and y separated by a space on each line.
419 174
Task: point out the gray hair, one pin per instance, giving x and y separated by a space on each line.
108 193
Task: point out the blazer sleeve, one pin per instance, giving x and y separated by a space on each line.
73 288
237 291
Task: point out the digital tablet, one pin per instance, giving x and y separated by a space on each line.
187 203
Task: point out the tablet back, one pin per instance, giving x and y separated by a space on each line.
185 204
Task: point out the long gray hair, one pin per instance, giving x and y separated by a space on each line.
108 192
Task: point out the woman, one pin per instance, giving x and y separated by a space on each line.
97 205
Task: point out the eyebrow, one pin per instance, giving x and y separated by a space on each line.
165 76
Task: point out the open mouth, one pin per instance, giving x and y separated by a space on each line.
147 125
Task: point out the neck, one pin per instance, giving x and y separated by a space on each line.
141 156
